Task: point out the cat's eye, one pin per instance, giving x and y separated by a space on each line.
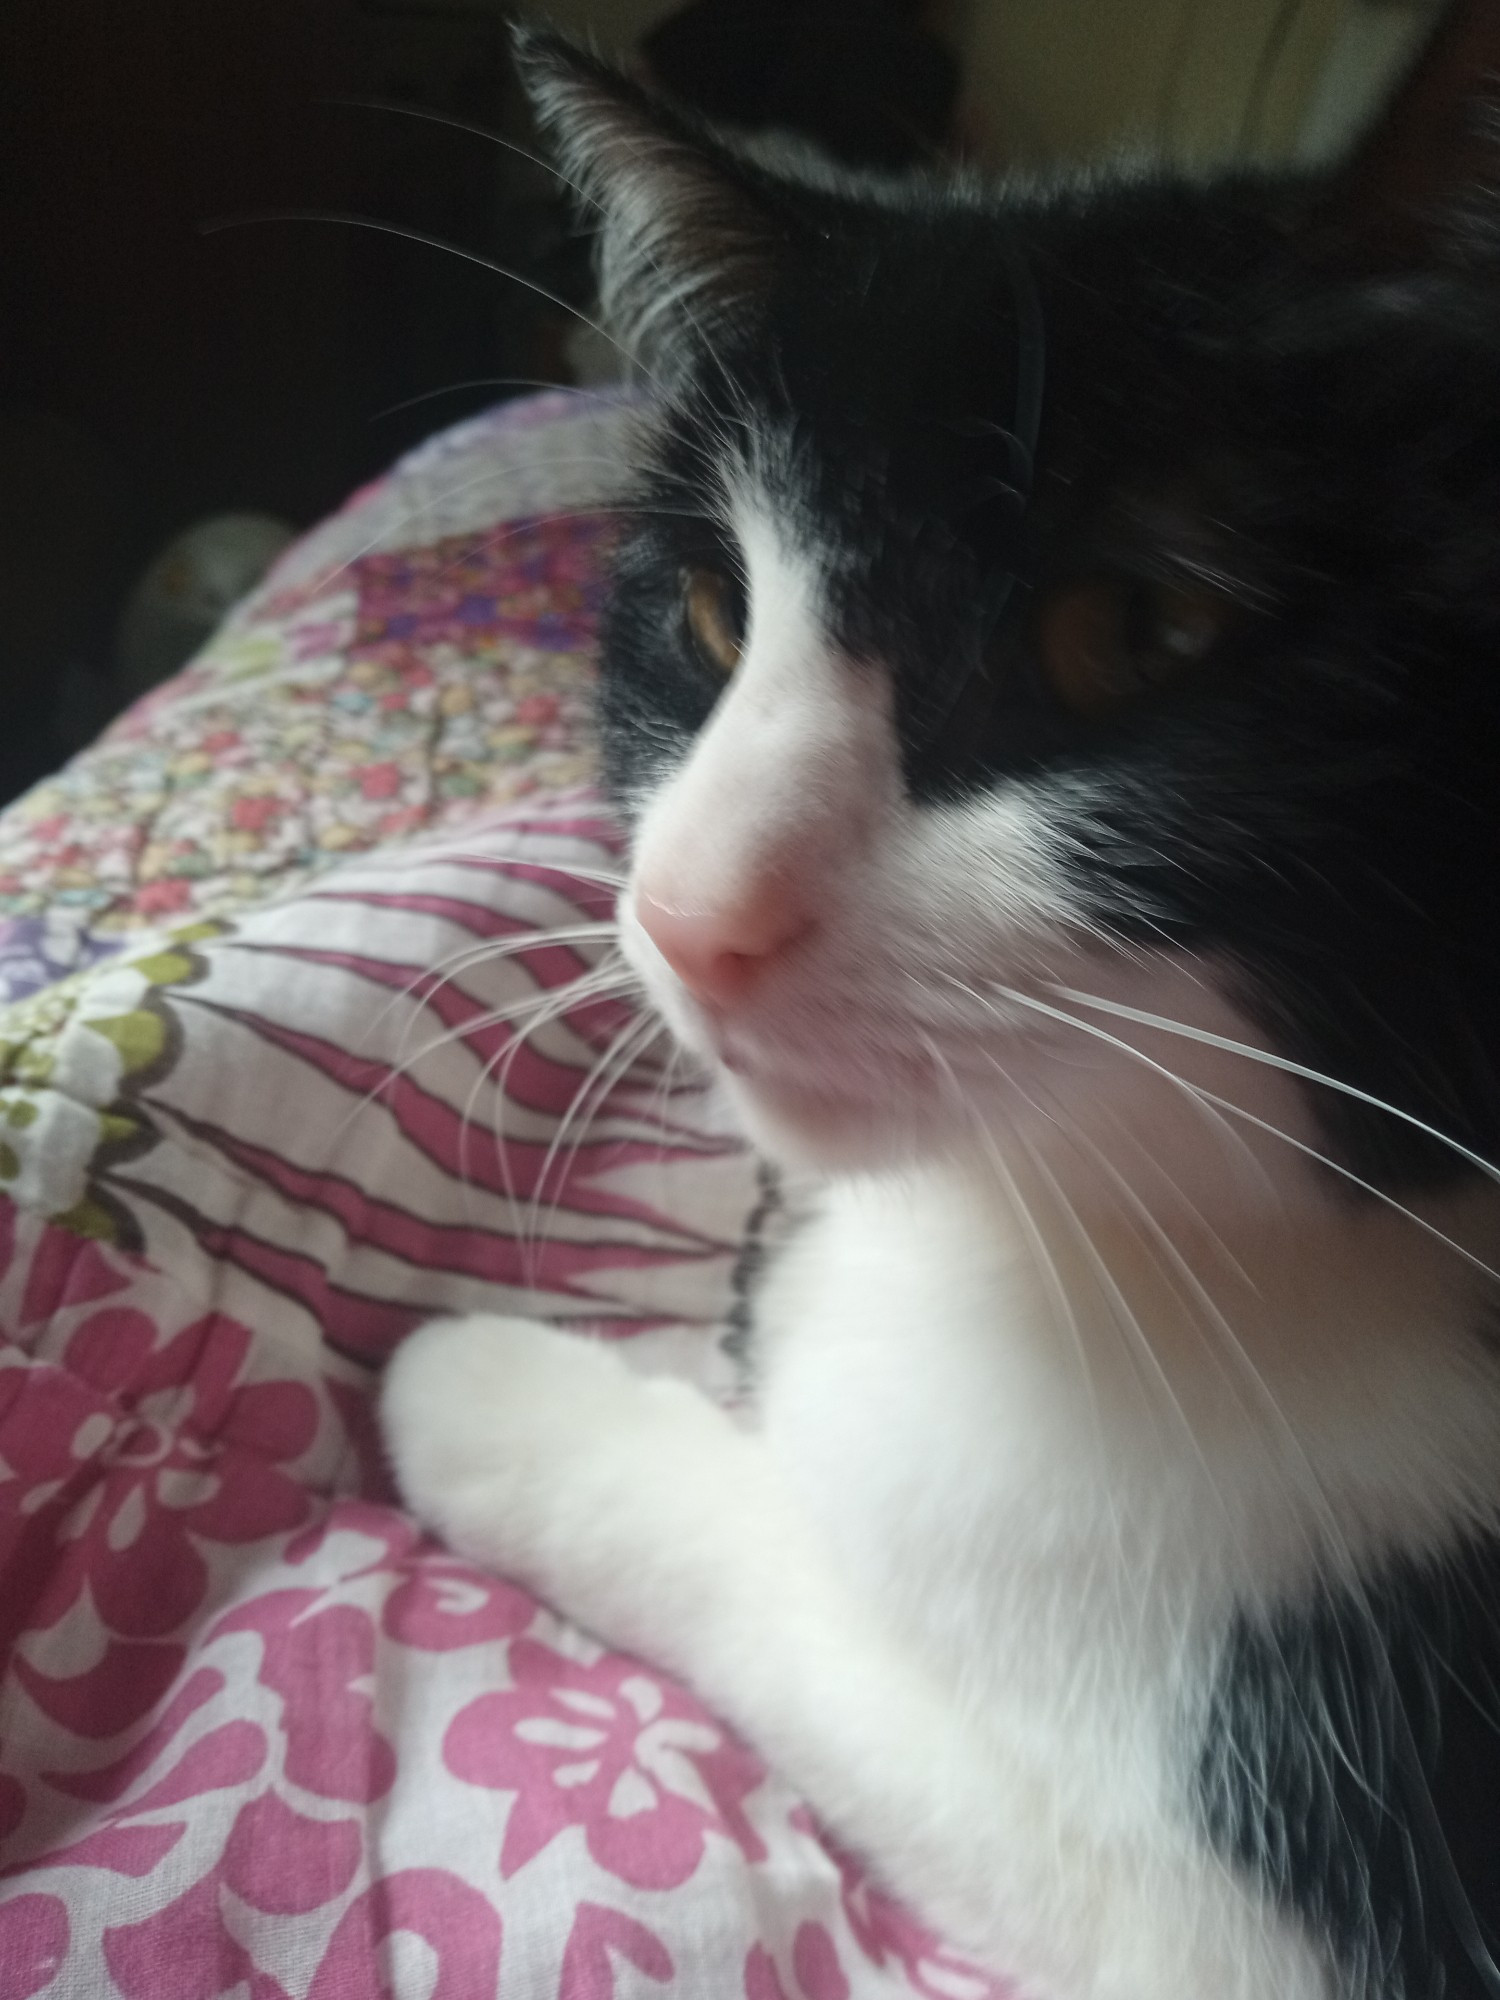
1109 640
714 606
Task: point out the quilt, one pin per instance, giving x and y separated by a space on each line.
309 1030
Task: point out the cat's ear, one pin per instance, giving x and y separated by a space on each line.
685 237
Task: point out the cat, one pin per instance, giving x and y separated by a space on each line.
1053 686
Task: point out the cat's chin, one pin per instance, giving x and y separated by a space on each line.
821 1130
807 1115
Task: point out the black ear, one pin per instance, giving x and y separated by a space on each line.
685 237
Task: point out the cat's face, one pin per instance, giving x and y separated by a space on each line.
1046 596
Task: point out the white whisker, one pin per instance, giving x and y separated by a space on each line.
603 1076
482 951
219 224
610 980
1273 1061
1211 1100
391 1073
1062 1302
1020 999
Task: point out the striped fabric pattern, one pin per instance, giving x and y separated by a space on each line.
315 1030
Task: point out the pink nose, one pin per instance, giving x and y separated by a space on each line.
719 952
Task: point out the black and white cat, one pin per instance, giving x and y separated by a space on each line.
1055 686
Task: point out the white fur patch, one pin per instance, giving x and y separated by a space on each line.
1080 1357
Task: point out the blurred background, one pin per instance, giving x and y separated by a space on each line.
157 377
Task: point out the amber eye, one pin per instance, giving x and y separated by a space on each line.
1109 640
715 616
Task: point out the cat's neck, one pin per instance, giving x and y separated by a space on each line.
1323 1373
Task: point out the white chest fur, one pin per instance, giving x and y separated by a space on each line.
966 1581
1060 1470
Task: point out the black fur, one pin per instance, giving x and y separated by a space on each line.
1231 388
1222 394
1353 1760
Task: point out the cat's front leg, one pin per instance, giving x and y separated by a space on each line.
543 1455
636 1507
630 1503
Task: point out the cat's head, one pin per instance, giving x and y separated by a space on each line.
1042 592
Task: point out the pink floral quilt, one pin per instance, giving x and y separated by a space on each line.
287 1063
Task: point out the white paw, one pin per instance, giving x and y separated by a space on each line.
487 1418
543 1456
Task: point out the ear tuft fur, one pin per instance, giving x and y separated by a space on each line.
683 240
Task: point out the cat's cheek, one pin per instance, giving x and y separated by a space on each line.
1199 1111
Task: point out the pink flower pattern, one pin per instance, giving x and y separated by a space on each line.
164 1454
258 1735
608 1748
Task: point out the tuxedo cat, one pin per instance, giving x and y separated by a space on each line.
1054 685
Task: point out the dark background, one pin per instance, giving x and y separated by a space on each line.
152 374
